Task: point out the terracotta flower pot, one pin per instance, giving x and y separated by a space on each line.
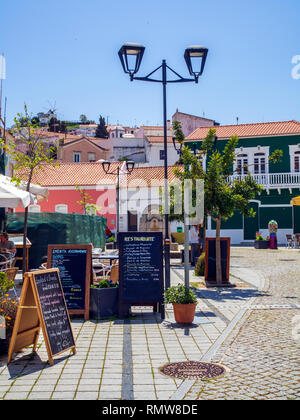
184 313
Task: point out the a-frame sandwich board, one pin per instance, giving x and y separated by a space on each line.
41 304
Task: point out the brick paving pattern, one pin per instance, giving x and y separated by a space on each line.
263 354
261 350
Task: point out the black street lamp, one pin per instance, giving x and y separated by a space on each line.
129 169
131 55
195 58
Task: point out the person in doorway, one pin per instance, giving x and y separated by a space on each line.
194 242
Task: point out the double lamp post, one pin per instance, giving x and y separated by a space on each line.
131 55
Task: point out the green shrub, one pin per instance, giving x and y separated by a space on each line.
111 239
180 294
5 284
200 265
104 284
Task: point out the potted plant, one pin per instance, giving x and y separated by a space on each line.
260 242
8 312
200 266
110 243
184 303
104 300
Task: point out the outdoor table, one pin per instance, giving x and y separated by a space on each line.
17 239
110 257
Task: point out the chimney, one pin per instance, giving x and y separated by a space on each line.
168 124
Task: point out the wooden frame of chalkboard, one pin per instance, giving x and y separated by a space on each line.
83 295
210 263
141 287
38 311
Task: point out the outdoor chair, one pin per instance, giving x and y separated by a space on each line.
289 241
114 273
7 260
101 268
297 240
43 266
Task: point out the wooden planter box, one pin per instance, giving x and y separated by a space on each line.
104 302
262 244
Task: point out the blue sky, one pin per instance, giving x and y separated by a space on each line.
65 52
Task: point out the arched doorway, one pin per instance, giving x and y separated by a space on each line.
151 220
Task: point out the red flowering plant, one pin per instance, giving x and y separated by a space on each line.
8 306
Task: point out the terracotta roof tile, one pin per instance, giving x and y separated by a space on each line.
150 176
92 174
70 174
275 128
159 139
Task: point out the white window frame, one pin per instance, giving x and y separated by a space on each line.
61 208
294 151
260 162
240 169
94 156
34 208
296 155
74 154
251 151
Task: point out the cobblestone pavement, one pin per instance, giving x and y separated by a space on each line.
97 371
119 359
263 352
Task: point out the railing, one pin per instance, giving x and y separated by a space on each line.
278 180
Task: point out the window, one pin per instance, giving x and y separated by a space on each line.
76 156
34 208
61 208
259 163
92 157
161 154
297 162
242 164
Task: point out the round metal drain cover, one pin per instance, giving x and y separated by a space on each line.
193 370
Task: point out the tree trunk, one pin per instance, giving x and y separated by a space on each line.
24 261
186 253
218 252
24 265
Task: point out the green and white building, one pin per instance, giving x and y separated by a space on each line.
280 181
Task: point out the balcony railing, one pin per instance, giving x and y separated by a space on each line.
276 180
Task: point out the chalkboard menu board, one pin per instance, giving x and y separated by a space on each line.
54 311
141 267
210 259
42 306
74 264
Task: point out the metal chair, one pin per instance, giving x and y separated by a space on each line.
6 260
290 241
114 273
297 240
101 269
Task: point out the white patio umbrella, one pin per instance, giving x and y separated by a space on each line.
12 195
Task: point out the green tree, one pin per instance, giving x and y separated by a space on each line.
37 153
83 118
223 194
86 202
101 130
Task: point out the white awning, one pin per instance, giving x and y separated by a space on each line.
13 196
